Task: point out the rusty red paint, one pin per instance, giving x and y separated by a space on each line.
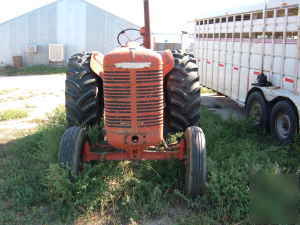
176 151
221 65
235 68
256 73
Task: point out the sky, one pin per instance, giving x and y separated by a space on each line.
167 16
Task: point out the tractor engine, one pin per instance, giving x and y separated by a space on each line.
134 97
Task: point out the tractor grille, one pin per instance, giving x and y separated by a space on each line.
138 99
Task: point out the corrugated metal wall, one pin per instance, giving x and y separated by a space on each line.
77 24
103 28
37 27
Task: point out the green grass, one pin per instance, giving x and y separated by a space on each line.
11 114
35 190
32 70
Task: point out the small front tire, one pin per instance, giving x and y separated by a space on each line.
196 170
71 148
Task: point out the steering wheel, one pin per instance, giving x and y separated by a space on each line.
124 33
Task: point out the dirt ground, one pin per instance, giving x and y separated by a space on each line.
37 95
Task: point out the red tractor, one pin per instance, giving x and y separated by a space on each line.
142 96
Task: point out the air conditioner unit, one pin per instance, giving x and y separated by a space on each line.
32 49
56 53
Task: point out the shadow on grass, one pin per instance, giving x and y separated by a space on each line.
35 190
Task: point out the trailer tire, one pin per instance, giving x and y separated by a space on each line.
196 170
70 149
182 93
257 110
83 92
284 122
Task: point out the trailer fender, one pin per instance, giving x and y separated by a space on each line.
254 89
96 63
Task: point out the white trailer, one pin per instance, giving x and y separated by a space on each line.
254 58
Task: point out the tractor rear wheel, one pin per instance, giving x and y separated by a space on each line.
83 91
196 171
182 93
71 148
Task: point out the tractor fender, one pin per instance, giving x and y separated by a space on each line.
96 63
168 61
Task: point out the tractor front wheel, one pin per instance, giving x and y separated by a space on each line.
196 171
71 148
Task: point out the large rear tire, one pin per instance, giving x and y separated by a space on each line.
83 91
182 93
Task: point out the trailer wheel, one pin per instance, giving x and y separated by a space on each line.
257 110
196 171
70 149
83 91
182 93
284 122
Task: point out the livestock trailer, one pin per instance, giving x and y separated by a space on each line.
253 58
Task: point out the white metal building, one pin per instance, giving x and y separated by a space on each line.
75 24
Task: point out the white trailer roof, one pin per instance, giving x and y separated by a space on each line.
250 7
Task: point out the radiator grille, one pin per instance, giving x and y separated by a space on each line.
119 89
149 94
152 76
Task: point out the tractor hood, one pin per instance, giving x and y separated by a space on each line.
132 58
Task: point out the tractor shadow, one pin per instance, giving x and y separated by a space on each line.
223 106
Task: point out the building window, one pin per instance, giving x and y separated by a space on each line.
292 35
293 12
211 21
230 19
278 35
229 35
258 15
247 17
280 13
238 18
245 36
257 35
217 20
201 22
268 35
223 20
270 14
216 36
